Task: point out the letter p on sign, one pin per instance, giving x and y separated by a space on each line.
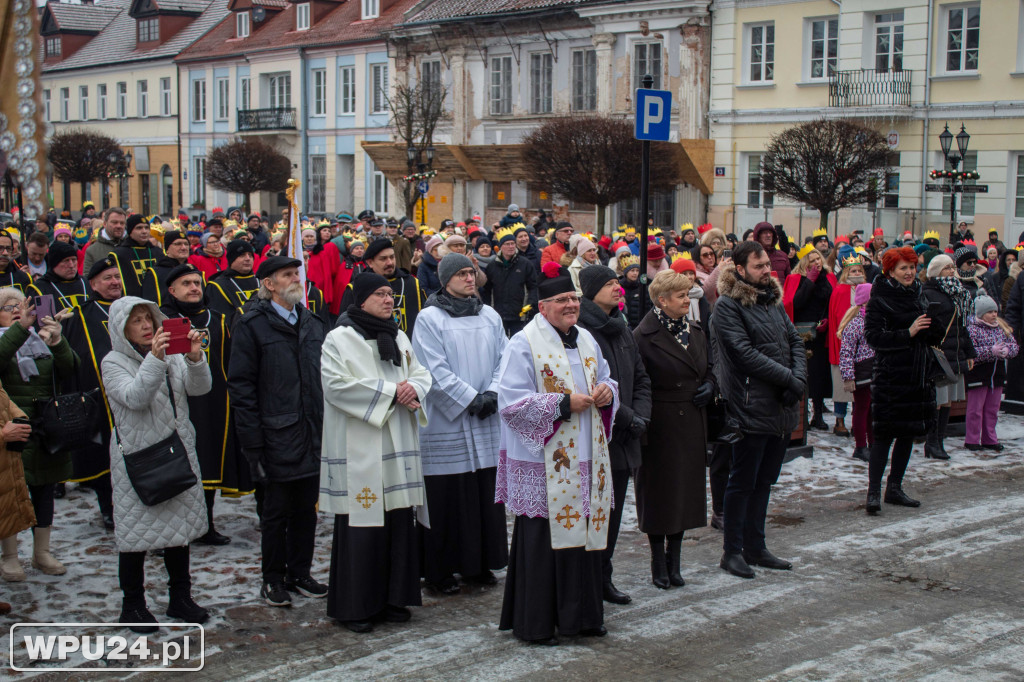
653 109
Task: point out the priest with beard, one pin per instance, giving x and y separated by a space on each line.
88 336
221 466
370 470
557 401
136 254
460 341
62 281
177 250
229 290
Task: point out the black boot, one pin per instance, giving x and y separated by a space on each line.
659 566
874 504
933 446
941 430
181 606
133 610
672 560
818 423
863 454
894 495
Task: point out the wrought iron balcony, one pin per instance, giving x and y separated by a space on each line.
266 119
869 88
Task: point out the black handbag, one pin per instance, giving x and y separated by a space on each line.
862 371
162 470
68 420
942 372
718 422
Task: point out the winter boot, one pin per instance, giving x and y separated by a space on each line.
818 423
41 557
10 567
874 502
659 566
673 560
941 429
134 611
181 606
840 428
894 495
933 446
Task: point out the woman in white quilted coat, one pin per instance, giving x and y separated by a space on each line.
135 379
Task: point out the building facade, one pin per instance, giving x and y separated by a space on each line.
906 68
109 68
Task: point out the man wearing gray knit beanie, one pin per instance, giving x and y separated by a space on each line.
450 264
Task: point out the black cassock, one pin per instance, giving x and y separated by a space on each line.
87 333
133 262
228 293
153 287
221 464
315 304
67 293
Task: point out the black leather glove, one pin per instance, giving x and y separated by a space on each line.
704 394
256 471
477 404
790 398
637 426
490 404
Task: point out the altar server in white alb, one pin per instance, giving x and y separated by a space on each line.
460 341
370 473
557 401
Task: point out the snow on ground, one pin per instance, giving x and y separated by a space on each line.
227 579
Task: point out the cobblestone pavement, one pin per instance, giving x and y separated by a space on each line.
930 593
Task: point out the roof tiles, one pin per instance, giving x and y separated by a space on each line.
90 18
447 10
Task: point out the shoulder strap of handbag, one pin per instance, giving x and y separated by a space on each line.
174 408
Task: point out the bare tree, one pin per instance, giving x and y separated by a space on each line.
248 165
826 165
594 159
415 113
83 156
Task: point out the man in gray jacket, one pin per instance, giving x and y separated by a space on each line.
110 236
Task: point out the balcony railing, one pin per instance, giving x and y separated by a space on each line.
266 119
869 88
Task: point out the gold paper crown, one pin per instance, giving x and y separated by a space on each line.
820 232
802 253
156 231
517 226
852 260
230 223
931 234
323 223
629 230
684 227
505 232
686 255
862 251
627 261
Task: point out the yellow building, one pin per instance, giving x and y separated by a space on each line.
903 67
109 68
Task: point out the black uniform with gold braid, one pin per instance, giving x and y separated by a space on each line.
409 298
13 277
67 293
315 304
154 286
228 293
133 262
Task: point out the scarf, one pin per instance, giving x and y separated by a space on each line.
33 349
384 331
185 308
679 329
962 299
456 307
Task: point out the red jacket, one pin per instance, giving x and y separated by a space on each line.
208 264
325 270
553 252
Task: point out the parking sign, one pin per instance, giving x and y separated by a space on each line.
653 114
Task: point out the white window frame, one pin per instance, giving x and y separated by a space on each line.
371 9
654 51
431 75
165 96
1015 189
147 30
199 179
947 10
244 92
83 102
379 88
101 101
893 27
347 91
748 49
280 90
830 47
142 88
542 68
199 100
46 104
500 79
302 15
317 183
319 93
122 99
380 192
584 79
53 46
65 104
242 24
223 104
764 199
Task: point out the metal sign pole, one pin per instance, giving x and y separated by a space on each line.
645 180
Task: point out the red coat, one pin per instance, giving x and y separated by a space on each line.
208 264
789 288
837 307
553 252
325 270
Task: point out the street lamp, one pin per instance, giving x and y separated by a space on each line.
955 177
414 158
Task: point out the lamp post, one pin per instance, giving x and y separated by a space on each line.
955 178
414 158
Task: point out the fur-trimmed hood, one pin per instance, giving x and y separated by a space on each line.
731 286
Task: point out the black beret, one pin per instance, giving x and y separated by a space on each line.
236 248
102 265
58 252
271 265
375 247
181 271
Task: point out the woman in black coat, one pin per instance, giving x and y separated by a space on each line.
807 294
953 305
670 483
633 288
902 391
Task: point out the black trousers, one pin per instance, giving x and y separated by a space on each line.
718 474
901 448
131 574
620 480
104 493
288 525
42 503
756 463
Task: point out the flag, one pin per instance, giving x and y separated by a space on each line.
294 232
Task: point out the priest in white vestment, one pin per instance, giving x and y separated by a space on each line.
557 402
460 341
370 474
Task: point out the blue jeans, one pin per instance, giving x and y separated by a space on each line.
756 463
840 410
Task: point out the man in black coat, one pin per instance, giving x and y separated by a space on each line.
275 390
177 251
511 284
10 274
600 315
62 281
526 248
761 367
136 254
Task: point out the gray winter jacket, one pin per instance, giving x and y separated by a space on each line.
136 389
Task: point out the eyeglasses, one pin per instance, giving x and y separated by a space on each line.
10 308
382 294
465 274
6 249
564 300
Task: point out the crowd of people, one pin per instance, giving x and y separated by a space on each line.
422 387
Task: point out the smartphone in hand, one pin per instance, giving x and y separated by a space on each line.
44 308
178 328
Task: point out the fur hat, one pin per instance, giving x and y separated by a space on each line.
938 264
